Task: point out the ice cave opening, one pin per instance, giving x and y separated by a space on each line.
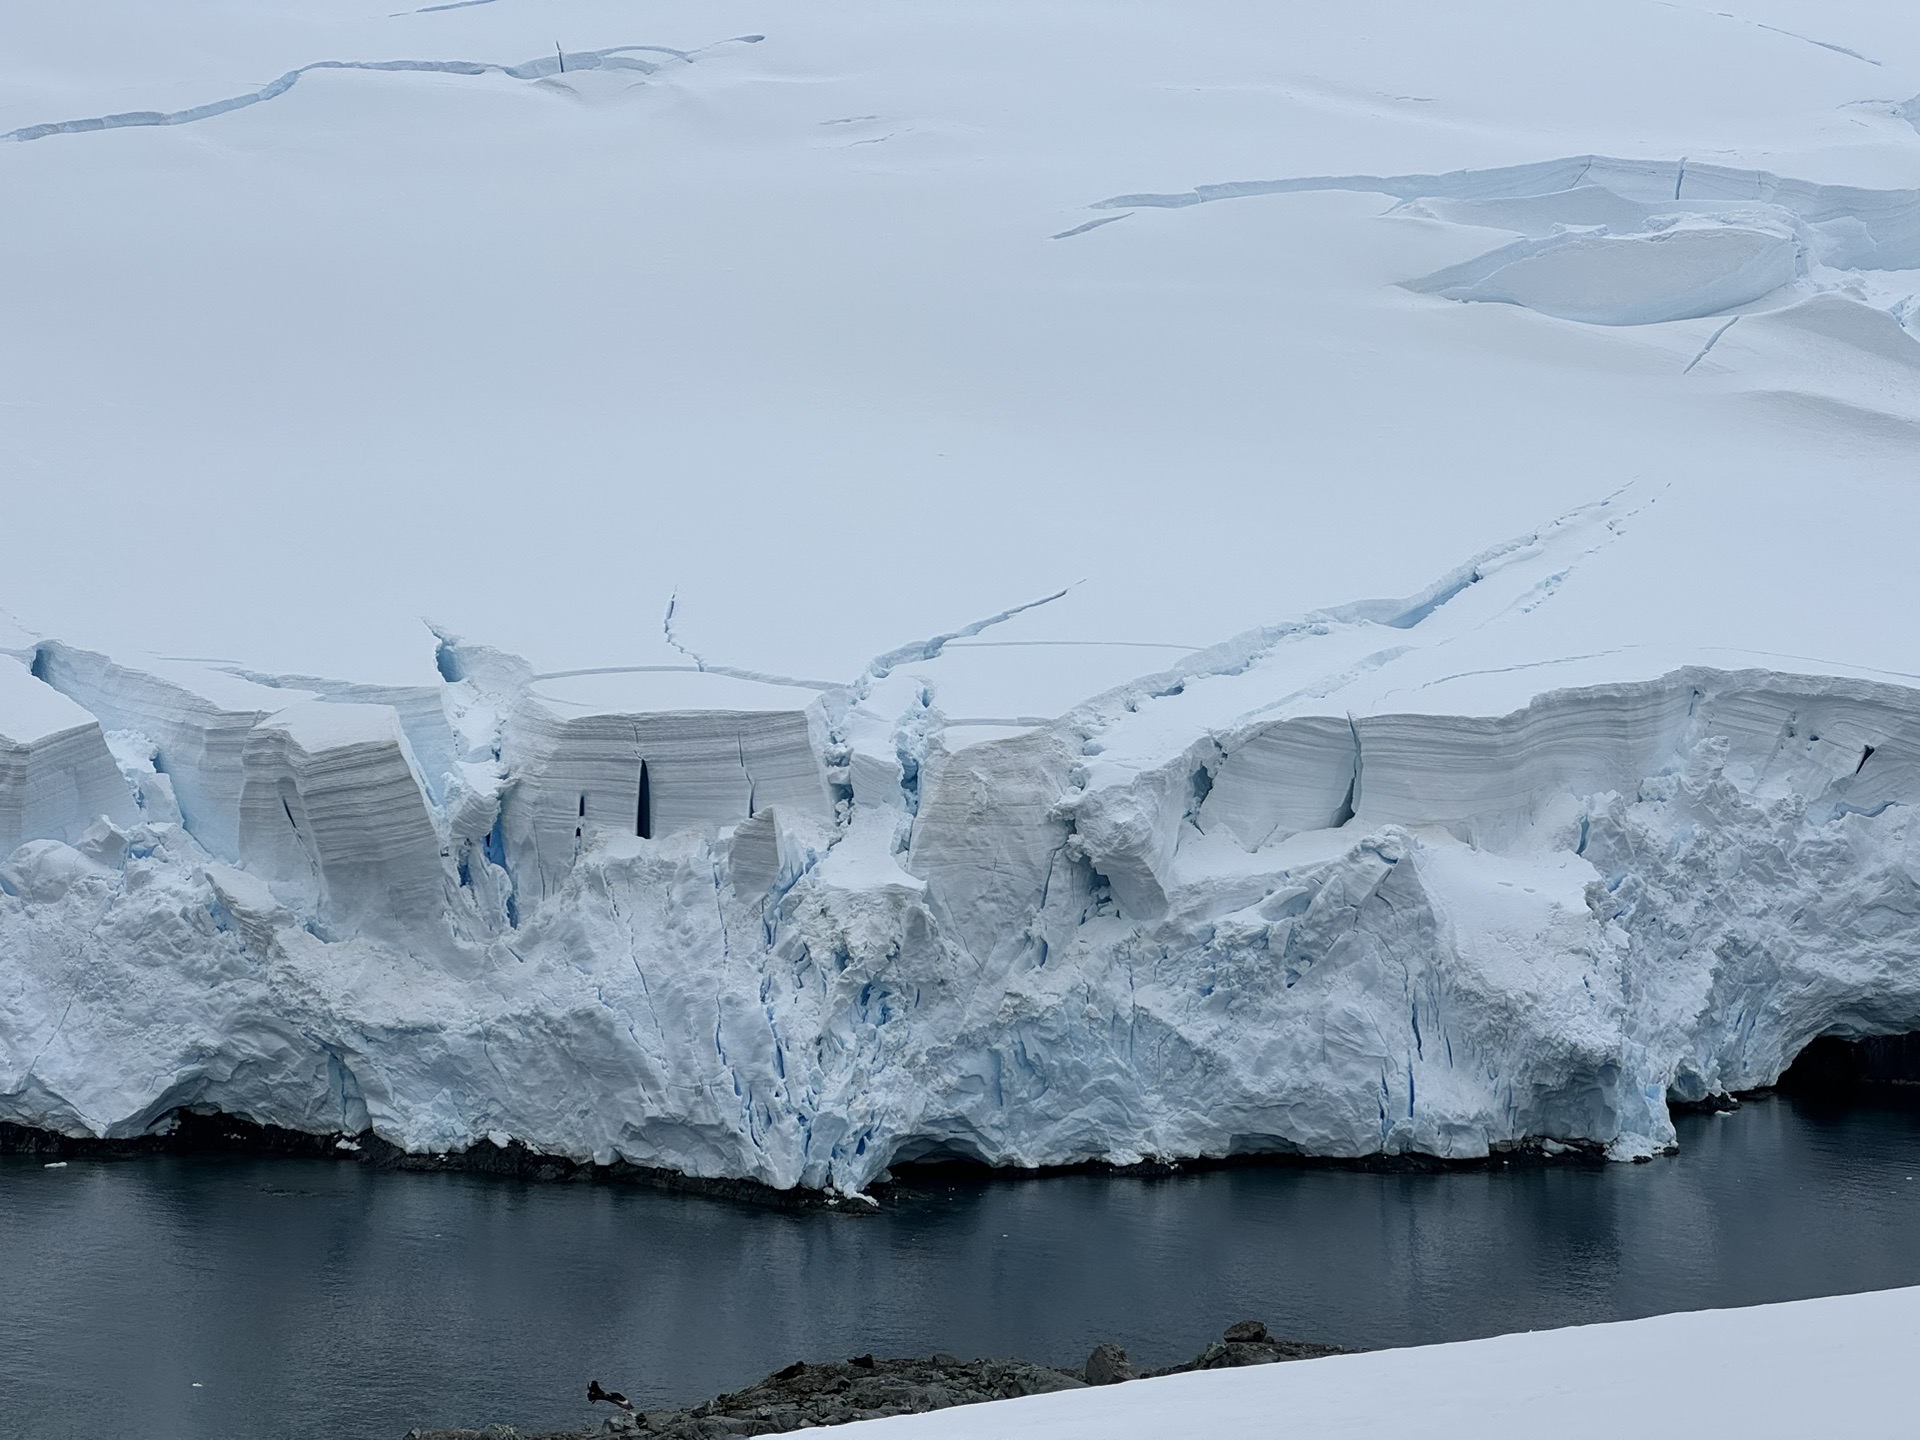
929 1160
1836 1064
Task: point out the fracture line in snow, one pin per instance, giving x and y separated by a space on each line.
1410 611
927 649
1823 44
1090 225
617 57
1774 29
764 677
1824 662
1073 645
1511 182
1327 684
666 629
1242 652
700 663
1712 340
1539 178
1513 669
59 1025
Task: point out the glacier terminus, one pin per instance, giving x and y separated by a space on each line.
892 685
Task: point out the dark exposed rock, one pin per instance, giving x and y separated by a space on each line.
806 1394
864 1388
1107 1365
1236 1350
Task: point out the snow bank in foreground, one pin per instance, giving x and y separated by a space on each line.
1813 1367
799 935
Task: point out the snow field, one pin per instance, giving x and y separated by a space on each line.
1810 1367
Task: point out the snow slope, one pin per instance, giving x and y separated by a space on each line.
1812 1367
893 490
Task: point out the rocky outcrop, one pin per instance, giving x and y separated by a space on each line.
804 1395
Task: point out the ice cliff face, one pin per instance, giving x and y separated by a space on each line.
800 935
820 327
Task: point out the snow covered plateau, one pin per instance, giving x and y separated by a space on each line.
887 487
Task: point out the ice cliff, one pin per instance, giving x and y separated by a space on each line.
1015 373
754 929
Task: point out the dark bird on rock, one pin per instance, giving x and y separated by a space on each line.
612 1397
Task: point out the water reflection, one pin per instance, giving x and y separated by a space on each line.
310 1299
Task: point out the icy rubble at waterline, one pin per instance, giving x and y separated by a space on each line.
804 939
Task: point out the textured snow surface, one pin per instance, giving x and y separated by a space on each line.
1775 1372
894 682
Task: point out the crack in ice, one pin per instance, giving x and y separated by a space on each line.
929 648
666 628
1712 340
616 57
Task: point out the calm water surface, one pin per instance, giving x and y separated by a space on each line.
309 1299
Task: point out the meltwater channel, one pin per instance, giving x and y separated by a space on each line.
213 1299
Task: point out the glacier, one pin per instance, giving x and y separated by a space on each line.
798 937
891 687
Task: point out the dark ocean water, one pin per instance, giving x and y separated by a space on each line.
214 1299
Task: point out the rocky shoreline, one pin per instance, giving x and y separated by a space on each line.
806 1394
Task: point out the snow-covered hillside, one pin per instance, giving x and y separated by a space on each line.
1773 1372
893 493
